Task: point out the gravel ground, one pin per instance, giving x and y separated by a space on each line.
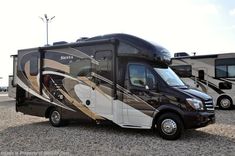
27 135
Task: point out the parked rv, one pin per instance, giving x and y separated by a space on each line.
11 87
119 78
3 89
12 79
212 74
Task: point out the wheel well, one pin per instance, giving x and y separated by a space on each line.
217 102
166 111
47 113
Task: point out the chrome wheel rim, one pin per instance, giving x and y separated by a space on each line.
225 103
169 126
55 117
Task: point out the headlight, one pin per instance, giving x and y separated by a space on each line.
195 103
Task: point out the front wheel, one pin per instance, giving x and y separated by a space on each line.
169 126
225 102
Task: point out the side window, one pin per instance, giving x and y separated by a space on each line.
231 71
182 70
221 71
34 65
124 48
140 76
137 75
105 64
150 79
81 67
225 68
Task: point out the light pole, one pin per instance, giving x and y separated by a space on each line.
47 20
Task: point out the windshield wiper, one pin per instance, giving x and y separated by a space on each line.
179 86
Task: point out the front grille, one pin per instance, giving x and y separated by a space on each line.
209 105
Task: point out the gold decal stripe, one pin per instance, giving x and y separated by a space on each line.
81 107
93 85
56 65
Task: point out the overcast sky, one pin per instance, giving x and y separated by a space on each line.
202 26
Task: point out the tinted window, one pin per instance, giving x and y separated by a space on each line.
221 71
34 65
81 67
231 71
137 75
225 68
105 64
150 79
126 48
183 70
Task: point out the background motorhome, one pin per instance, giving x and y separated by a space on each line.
3 89
11 87
213 74
12 79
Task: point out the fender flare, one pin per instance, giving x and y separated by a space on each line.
167 108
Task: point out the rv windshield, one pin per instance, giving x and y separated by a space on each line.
169 77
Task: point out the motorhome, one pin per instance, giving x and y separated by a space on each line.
213 74
118 78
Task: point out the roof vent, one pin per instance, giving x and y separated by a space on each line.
82 39
181 54
60 42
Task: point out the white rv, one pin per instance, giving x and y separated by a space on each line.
212 74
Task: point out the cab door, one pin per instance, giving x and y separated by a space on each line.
140 82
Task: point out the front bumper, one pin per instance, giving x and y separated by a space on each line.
198 119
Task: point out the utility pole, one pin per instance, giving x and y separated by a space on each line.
47 20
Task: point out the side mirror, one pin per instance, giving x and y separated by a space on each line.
146 87
153 87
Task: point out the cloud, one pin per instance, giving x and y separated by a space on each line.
231 27
209 9
232 12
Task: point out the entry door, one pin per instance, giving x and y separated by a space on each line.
102 93
202 79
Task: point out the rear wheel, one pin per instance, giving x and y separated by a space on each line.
55 118
169 126
224 102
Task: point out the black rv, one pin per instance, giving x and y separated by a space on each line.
119 78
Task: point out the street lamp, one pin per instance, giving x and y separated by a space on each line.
47 20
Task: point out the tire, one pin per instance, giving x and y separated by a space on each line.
55 118
169 126
225 103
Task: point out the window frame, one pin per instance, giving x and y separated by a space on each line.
146 68
182 76
226 64
109 60
34 65
124 43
